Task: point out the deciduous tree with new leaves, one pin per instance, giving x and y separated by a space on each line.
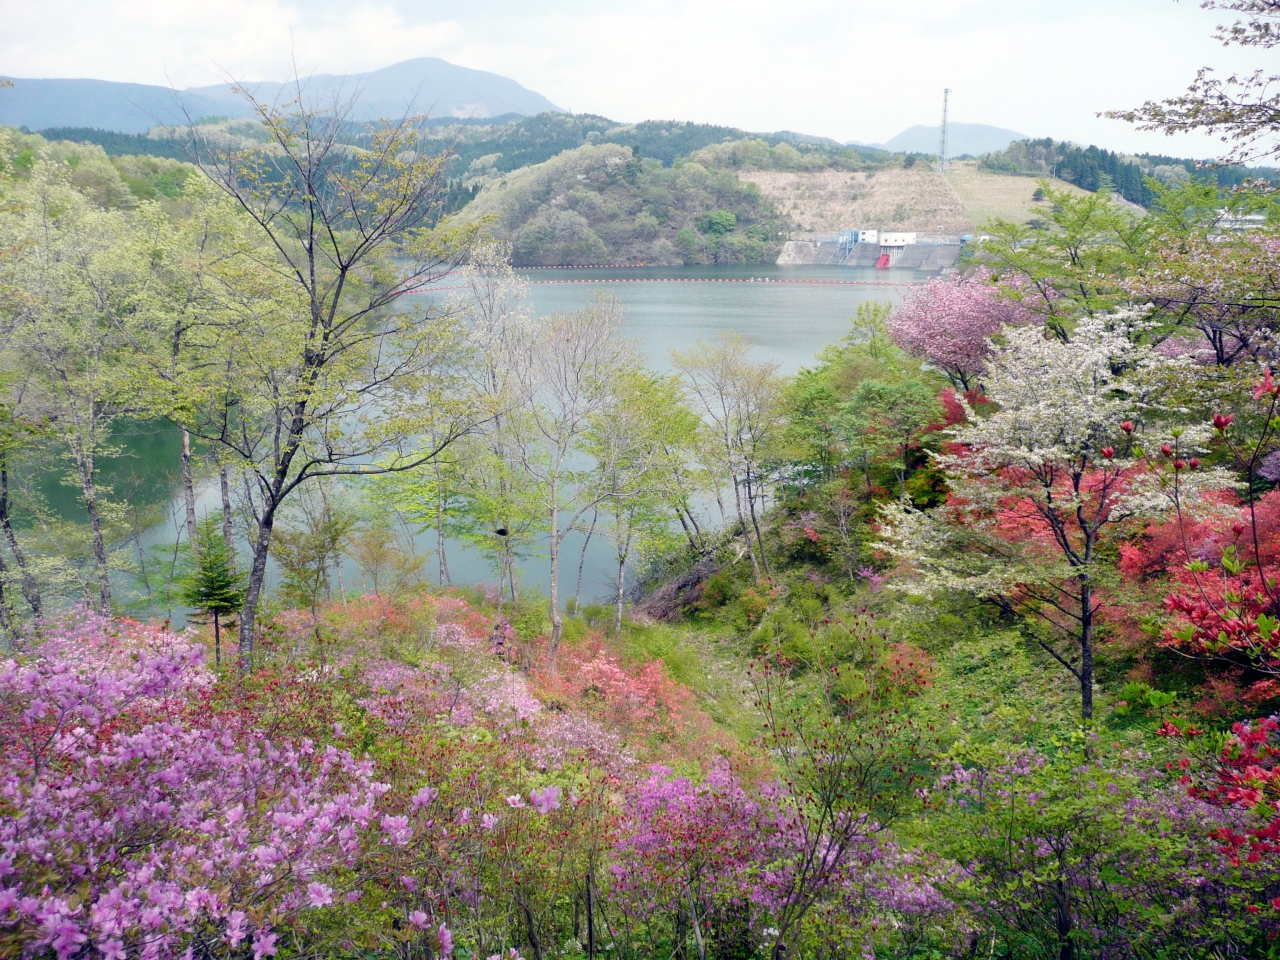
1243 110
328 369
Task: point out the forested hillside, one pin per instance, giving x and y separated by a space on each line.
605 204
1092 168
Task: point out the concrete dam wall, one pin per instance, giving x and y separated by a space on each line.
914 256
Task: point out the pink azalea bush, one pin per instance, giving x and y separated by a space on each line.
128 830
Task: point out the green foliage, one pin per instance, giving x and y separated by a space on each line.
212 586
597 204
717 223
1136 178
309 550
1074 267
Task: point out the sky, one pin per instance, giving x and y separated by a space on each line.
848 69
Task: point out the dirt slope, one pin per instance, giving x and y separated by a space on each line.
918 198
898 199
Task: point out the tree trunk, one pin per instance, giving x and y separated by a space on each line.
553 587
531 928
702 540
30 589
746 531
442 560
582 560
228 525
755 523
1062 909
142 565
88 490
697 926
693 544
1086 647
253 590
511 571
617 603
591 920
217 642
6 620
188 486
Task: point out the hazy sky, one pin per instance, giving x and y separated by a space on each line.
850 69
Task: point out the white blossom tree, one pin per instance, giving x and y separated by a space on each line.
1041 480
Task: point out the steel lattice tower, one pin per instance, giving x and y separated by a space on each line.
942 148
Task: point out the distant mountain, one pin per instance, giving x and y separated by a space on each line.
427 84
125 107
962 138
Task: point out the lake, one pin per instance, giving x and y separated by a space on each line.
790 312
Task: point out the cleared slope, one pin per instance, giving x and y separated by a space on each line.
916 198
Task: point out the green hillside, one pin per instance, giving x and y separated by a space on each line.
604 204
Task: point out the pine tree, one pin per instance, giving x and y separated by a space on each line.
212 586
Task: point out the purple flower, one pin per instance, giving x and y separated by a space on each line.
264 945
1269 469
319 895
546 799
424 796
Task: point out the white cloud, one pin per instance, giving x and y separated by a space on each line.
852 69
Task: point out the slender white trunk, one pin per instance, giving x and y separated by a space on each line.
442 560
746 530
88 490
582 560
553 544
228 527
188 486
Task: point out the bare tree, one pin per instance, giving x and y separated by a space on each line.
565 367
329 371
739 401
1242 110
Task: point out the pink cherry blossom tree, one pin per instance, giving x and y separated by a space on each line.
948 323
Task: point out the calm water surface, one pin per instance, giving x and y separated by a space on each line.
789 321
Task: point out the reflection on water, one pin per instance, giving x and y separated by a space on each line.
789 321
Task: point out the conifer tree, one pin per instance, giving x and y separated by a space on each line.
212 587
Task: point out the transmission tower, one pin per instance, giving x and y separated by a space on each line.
942 147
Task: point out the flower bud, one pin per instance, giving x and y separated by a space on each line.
1220 422
1108 452
1166 450
1194 463
1127 426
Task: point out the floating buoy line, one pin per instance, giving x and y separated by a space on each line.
768 280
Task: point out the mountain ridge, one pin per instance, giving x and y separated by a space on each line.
426 84
963 139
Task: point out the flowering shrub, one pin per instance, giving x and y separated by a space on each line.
126 830
1072 854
